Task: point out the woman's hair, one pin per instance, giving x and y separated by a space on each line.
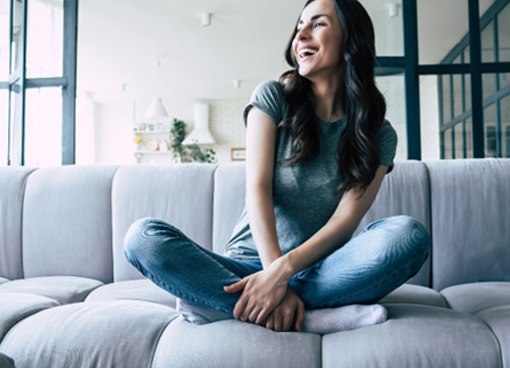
365 107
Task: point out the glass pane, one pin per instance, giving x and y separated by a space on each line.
458 94
16 50
437 33
469 138
490 125
447 144
4 125
44 38
488 50
429 117
459 140
488 85
15 126
447 99
388 25
504 105
4 39
43 129
504 34
392 87
504 80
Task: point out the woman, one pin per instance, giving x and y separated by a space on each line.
317 150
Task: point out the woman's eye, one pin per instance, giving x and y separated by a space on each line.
319 24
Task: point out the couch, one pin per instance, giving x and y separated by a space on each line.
68 297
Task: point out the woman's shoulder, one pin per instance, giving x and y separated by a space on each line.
269 97
269 88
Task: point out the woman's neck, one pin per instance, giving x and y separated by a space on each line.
329 99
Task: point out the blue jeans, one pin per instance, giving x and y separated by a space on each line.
372 264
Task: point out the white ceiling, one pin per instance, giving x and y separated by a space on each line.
120 41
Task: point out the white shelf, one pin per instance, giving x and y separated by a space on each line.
151 132
153 152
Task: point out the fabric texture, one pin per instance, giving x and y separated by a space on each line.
141 289
305 195
235 344
415 336
14 307
476 297
470 215
415 294
67 222
84 335
181 194
498 320
63 289
12 188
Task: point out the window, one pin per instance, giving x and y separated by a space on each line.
37 81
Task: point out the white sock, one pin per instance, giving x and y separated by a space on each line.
349 317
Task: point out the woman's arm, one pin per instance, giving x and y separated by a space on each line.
338 230
260 154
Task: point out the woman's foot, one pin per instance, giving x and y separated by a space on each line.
349 317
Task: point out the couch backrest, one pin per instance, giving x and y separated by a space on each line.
470 221
178 194
12 190
67 222
404 191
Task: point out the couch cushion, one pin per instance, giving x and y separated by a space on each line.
67 222
64 289
415 294
470 217
229 193
84 335
15 306
498 319
179 194
474 298
415 336
12 190
134 289
235 344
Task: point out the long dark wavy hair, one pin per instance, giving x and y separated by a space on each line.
364 105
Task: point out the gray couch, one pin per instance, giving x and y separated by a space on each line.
68 298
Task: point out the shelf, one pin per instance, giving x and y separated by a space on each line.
153 152
152 132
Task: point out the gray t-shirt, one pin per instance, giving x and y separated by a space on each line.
305 195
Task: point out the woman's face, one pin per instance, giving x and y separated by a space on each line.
317 46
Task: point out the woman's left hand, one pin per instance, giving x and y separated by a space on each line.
261 293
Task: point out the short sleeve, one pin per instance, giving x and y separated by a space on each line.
268 97
387 144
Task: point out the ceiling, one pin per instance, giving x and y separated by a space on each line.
131 50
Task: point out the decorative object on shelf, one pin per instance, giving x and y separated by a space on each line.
200 134
191 152
238 154
156 111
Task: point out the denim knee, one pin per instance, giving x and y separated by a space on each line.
417 236
132 240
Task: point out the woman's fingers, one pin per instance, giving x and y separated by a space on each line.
236 287
300 316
